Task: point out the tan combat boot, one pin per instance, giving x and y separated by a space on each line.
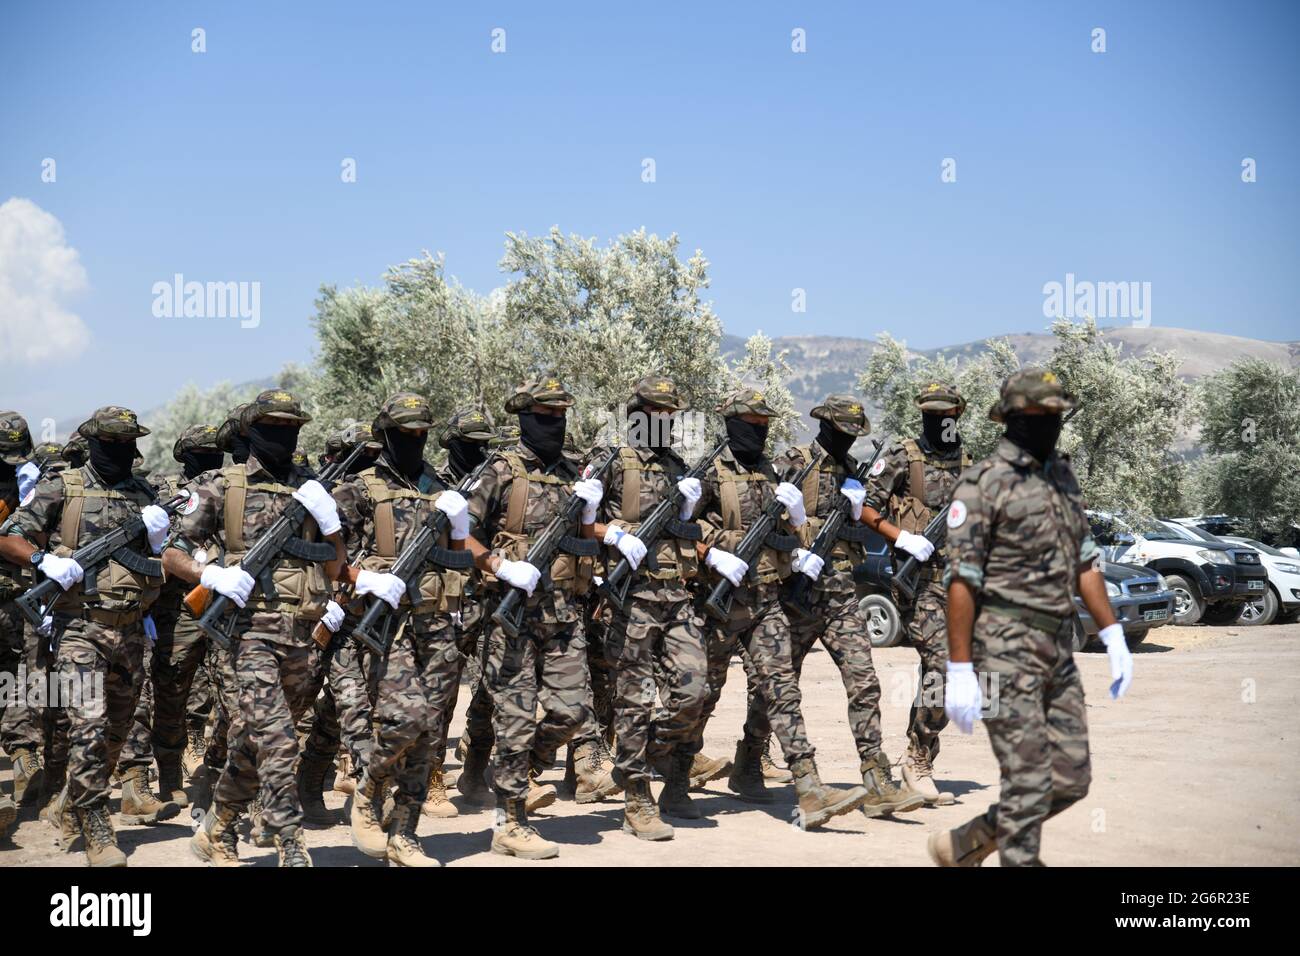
884 795
101 841
8 814
514 837
216 841
641 815
291 848
139 805
594 771
196 751
367 831
919 775
746 780
403 844
675 798
770 770
436 803
818 802
705 768
62 817
539 794
967 845
170 784
311 792
29 774
344 782
471 783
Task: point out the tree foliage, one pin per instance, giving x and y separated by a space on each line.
193 406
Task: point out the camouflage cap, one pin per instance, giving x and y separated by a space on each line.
75 451
940 397
112 421
199 438
345 439
405 409
15 439
546 390
473 424
232 426
1032 387
274 405
844 412
48 452
746 400
657 390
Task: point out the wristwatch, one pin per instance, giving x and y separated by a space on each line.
36 558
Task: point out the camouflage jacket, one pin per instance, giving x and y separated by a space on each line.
888 486
724 519
13 580
821 496
1017 530
655 478
547 491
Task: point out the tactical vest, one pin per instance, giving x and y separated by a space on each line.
676 558
440 590
773 564
569 572
119 589
909 510
303 590
845 552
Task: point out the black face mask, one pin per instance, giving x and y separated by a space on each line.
464 455
112 460
1036 434
239 449
937 426
8 472
273 446
746 440
405 451
195 463
359 464
836 442
652 431
543 435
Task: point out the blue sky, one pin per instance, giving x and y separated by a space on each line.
818 171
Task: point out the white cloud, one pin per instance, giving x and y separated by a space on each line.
39 273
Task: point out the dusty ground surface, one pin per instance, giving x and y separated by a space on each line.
1198 765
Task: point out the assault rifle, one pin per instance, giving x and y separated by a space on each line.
509 613
663 518
718 604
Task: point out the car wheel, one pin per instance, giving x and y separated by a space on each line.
1189 606
1221 614
1263 611
1135 638
1287 617
884 626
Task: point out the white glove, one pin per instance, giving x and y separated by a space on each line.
313 496
519 574
64 570
918 546
631 547
805 562
235 583
726 564
691 493
333 617
962 698
792 498
1121 659
47 626
150 628
853 490
387 587
456 508
156 524
591 491
27 476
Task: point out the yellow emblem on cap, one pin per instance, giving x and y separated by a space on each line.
854 409
934 387
282 397
126 416
411 402
15 435
663 386
551 383
757 397
1049 378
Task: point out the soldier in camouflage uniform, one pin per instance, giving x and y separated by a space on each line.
381 509
271 658
1018 547
835 617
74 452
739 485
910 483
519 494
100 637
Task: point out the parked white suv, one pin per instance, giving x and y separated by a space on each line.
1281 602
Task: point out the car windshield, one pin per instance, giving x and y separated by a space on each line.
1258 546
1163 531
1200 533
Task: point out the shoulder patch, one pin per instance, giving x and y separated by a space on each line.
31 493
956 514
878 467
191 504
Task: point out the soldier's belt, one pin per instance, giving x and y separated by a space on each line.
1036 619
781 542
686 530
579 547
114 619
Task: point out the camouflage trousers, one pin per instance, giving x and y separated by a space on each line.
838 622
1038 727
100 671
547 665
656 648
926 620
273 677
22 651
467 646
349 700
225 704
758 624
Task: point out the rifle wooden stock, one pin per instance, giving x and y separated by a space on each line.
197 600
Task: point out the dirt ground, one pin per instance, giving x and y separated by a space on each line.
1197 766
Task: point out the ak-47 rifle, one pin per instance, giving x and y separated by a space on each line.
509 613
796 596
280 540
663 518
112 545
376 628
718 604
